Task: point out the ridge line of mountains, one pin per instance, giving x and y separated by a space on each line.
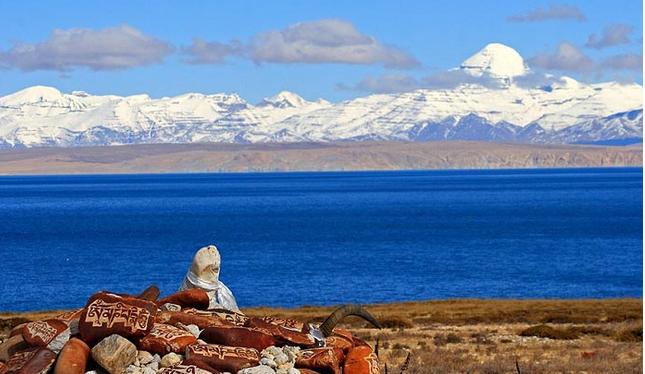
496 105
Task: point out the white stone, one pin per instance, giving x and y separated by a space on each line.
170 307
59 341
257 370
281 359
114 353
291 352
132 369
268 362
145 357
193 329
170 359
153 365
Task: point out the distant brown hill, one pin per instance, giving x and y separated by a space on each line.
166 158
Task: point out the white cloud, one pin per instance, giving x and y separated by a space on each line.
113 48
627 61
566 57
557 12
312 42
388 83
612 35
203 52
453 78
392 83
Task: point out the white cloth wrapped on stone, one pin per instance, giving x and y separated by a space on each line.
204 274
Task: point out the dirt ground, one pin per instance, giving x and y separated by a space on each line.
487 336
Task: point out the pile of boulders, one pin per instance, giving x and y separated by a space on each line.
117 333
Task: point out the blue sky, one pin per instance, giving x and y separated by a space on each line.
350 48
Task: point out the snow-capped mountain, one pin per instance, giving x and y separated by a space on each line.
496 104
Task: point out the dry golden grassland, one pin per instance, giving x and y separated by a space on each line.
489 336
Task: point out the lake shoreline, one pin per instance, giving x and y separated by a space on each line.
311 157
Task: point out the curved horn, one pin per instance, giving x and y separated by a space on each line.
346 310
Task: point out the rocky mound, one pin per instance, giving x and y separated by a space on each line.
179 334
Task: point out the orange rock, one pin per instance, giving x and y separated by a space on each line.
164 339
73 358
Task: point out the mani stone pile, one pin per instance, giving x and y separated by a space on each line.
116 334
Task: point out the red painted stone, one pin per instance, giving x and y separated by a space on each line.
287 323
201 321
222 357
339 342
42 333
200 364
238 337
190 298
361 360
151 293
308 371
324 360
186 369
31 361
71 318
341 339
17 330
283 335
107 313
228 316
12 345
164 339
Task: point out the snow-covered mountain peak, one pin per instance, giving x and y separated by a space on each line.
33 95
80 93
285 99
497 60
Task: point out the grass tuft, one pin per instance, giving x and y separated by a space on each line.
545 331
634 334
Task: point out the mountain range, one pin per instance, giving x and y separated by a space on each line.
499 102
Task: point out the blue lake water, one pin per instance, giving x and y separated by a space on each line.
326 238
